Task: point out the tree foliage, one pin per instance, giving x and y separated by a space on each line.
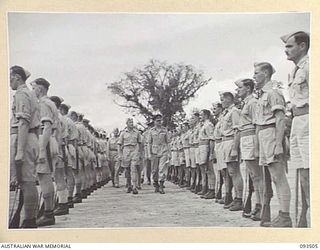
158 87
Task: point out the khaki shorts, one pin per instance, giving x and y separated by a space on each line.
30 157
247 147
203 154
218 148
130 156
267 144
174 158
187 157
192 151
182 159
227 148
299 142
44 168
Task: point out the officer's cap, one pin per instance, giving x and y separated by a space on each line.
285 38
158 116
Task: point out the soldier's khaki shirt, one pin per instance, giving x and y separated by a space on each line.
113 143
246 120
230 121
270 101
73 133
159 140
206 131
185 137
81 132
129 138
299 83
25 106
49 112
217 133
64 127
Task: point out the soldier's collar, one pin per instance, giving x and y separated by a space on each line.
249 97
303 61
22 86
268 86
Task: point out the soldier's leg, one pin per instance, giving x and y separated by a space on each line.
234 172
211 182
255 172
305 197
62 191
47 189
279 178
155 172
148 171
30 203
162 172
116 173
134 177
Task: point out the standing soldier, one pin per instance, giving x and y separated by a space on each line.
220 166
186 148
248 142
206 147
113 157
25 122
297 45
62 163
270 120
229 126
71 152
146 161
182 159
158 141
48 150
192 151
129 151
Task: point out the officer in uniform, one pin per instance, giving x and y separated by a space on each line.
72 135
24 126
130 152
48 149
270 128
158 141
220 166
186 150
62 163
113 157
229 126
297 45
206 146
248 141
146 161
192 151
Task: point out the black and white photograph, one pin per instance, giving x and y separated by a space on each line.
158 120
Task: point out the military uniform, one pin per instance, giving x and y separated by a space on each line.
158 141
185 141
112 155
146 157
229 125
25 106
130 141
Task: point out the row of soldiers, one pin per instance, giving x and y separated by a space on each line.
206 155
56 148
202 156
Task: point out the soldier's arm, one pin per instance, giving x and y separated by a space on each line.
149 140
44 140
23 128
280 129
235 124
120 143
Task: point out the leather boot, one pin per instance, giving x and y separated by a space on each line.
129 189
256 213
156 187
62 209
203 191
134 191
161 190
70 202
283 220
228 201
29 223
77 198
210 195
46 219
198 189
237 205
84 194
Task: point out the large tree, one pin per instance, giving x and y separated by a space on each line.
158 87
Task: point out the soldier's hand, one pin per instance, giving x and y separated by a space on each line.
278 151
234 154
19 164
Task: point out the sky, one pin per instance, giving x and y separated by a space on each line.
80 53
